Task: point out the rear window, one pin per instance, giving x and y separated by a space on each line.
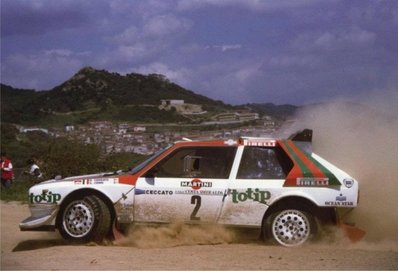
264 163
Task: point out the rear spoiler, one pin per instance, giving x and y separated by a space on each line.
303 139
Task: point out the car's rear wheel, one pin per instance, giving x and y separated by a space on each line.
290 227
85 219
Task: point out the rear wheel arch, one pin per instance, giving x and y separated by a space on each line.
304 210
324 214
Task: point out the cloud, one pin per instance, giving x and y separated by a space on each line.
251 5
226 47
164 25
145 42
179 76
42 16
337 39
141 9
129 36
354 37
236 50
58 53
305 61
40 71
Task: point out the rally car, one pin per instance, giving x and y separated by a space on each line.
276 185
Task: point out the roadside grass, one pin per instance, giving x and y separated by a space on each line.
18 191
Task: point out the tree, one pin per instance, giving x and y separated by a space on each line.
68 158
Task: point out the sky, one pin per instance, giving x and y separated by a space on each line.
238 51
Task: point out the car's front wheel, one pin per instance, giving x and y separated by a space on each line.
85 219
290 227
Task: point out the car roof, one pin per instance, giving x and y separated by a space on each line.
245 141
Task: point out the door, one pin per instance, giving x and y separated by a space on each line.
259 177
189 185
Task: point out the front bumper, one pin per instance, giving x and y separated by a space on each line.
42 218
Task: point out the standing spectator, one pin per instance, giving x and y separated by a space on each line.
7 174
34 171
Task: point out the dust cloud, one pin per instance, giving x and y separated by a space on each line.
176 234
359 137
362 139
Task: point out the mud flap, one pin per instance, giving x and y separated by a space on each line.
116 233
353 233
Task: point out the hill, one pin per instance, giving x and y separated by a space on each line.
92 95
277 111
100 95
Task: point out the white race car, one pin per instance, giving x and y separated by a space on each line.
276 185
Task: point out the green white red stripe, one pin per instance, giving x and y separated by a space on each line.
306 167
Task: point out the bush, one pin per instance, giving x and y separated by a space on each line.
17 192
55 156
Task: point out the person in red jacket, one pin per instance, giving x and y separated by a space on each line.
7 173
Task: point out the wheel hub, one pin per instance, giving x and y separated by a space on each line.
78 219
291 228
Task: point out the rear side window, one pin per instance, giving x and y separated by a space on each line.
264 163
197 162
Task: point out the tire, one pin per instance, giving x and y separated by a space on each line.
84 220
290 227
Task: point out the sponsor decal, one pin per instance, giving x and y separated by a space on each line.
307 181
83 181
259 142
153 192
348 183
199 192
250 194
44 197
96 181
340 201
341 198
139 191
196 184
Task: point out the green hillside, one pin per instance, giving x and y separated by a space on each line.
100 95
94 95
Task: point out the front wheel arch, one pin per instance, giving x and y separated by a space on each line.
81 194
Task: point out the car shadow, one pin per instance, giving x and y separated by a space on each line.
39 244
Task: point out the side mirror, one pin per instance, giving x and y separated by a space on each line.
152 172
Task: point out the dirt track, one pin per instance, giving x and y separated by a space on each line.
195 249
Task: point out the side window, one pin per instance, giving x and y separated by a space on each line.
264 163
197 162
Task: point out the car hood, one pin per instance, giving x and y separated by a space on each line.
80 177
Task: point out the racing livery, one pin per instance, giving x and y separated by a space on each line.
276 185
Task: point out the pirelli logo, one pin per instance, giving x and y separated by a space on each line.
308 181
259 142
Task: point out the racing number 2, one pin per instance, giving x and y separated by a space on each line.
197 200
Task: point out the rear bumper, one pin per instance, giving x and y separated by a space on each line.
42 218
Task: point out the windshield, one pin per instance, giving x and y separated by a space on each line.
150 159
